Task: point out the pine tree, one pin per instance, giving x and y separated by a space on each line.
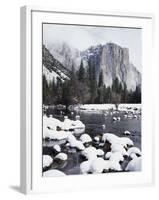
81 73
100 98
93 84
100 82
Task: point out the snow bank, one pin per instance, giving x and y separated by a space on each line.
130 107
91 107
47 161
53 173
100 107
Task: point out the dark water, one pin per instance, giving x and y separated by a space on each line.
94 126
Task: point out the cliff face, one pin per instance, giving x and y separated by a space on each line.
113 60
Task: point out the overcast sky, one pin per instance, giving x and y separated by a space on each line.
82 37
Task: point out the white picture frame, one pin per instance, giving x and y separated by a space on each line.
31 52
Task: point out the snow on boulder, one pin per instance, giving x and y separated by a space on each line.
53 173
57 148
114 166
97 166
108 155
46 132
75 143
118 148
126 142
79 145
47 161
78 127
133 155
85 138
110 137
96 138
114 119
117 156
127 133
85 167
100 152
89 153
58 135
134 165
134 150
67 124
113 139
61 156
51 122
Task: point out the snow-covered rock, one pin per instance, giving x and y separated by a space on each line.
67 124
61 156
110 137
78 127
114 165
114 119
118 148
75 143
127 133
57 148
85 167
85 138
96 138
108 155
133 156
47 161
89 153
134 165
113 139
97 166
126 142
53 173
56 135
134 150
117 156
100 152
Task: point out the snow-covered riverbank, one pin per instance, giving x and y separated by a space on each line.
100 107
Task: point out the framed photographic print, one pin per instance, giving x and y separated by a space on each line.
86 107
